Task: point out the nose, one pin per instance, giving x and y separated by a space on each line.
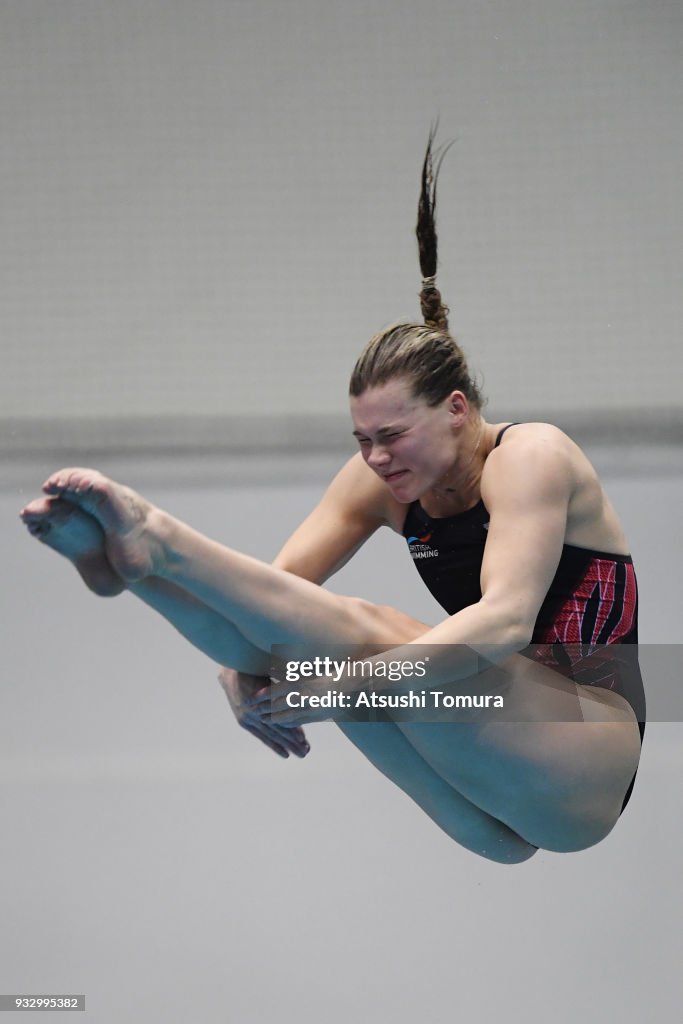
378 457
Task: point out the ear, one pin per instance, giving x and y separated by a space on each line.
458 408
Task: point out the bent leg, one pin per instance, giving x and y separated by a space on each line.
267 605
206 629
391 753
77 535
558 782
81 538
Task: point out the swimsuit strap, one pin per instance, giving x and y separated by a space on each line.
501 432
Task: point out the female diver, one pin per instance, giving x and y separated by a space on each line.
511 531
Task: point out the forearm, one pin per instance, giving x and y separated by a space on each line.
456 649
459 657
484 630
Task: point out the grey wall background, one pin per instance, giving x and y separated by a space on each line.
207 210
208 207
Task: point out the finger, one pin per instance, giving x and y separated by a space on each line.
287 716
280 703
292 738
282 734
286 733
260 697
283 746
292 734
272 744
287 737
297 751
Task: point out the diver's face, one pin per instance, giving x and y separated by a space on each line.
410 445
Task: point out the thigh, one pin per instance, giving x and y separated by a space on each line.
382 626
554 765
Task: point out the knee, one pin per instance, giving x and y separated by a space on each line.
566 827
490 838
580 834
516 852
382 625
575 805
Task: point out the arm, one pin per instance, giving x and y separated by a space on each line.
352 508
527 488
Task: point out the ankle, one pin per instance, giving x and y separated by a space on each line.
162 529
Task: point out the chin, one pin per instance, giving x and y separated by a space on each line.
406 491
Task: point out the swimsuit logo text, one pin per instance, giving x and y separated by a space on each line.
419 547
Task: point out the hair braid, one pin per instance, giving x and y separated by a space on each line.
424 355
434 312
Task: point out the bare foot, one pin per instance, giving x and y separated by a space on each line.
78 537
122 514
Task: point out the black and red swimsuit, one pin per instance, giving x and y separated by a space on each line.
591 605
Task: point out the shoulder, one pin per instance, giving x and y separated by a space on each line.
359 493
351 509
532 458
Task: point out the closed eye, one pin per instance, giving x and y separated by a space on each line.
381 438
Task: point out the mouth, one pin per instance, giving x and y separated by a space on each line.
390 478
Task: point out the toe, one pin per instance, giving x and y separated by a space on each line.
38 528
37 507
74 480
53 484
62 480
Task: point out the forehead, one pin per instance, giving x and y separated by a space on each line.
385 405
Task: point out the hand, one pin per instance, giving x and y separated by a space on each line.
270 702
283 739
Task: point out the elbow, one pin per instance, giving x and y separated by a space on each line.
511 638
521 634
511 628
